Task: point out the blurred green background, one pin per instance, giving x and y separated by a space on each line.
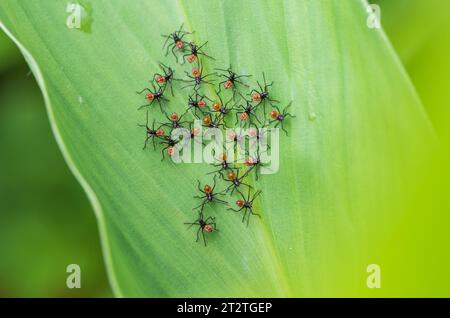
420 33
47 223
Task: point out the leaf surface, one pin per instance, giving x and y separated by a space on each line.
358 130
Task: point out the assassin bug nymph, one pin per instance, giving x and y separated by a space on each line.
237 139
208 195
195 51
213 123
212 126
236 181
166 78
246 204
174 121
280 116
197 102
176 41
262 96
152 133
204 225
223 164
169 146
194 132
258 137
246 113
156 95
221 107
231 79
197 78
255 163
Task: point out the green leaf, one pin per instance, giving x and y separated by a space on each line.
8 53
420 32
358 131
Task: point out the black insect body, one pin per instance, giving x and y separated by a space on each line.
258 137
169 146
197 78
255 164
279 117
217 122
221 107
223 165
262 96
157 94
246 204
193 133
197 102
236 182
195 51
176 41
237 138
166 78
231 79
209 196
174 121
212 124
204 225
152 133
246 114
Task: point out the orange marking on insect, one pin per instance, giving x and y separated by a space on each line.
207 188
252 132
208 228
191 58
256 97
206 120
160 79
150 96
201 103
240 203
274 114
248 162
195 72
174 117
232 135
159 132
228 84
216 106
195 131
179 44
243 116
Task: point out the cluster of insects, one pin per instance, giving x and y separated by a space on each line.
219 98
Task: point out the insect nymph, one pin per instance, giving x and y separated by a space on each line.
231 79
209 196
176 41
263 96
152 133
157 94
204 225
166 78
195 51
279 116
197 78
246 204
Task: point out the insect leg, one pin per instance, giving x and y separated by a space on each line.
203 234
